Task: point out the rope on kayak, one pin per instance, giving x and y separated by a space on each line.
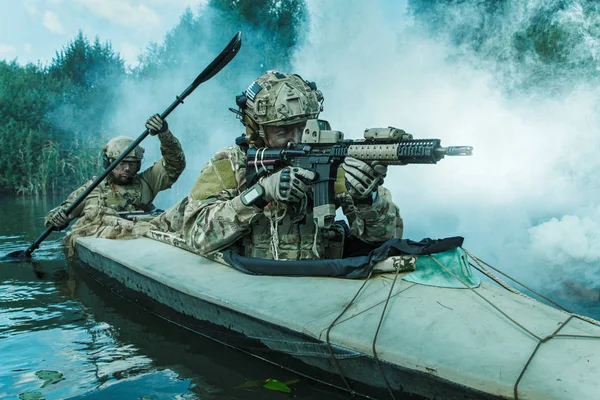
540 340
505 285
387 300
328 342
375 356
544 340
484 299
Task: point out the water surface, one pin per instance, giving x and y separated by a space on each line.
64 336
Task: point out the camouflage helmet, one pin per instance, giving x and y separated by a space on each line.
117 145
279 99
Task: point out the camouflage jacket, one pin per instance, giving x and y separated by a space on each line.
216 219
138 195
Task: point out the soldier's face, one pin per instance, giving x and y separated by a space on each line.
125 172
279 136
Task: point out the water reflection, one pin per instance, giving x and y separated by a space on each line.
56 318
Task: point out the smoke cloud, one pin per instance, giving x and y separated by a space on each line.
526 200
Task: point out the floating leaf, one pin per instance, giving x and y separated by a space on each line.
145 398
31 396
50 377
274 384
251 384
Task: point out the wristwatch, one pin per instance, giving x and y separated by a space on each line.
254 195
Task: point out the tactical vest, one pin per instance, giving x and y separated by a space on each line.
276 236
275 233
126 198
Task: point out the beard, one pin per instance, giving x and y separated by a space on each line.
122 179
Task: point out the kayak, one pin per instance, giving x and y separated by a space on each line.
435 332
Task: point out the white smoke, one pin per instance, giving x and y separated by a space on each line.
203 124
526 200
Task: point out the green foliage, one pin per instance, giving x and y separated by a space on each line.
543 44
282 20
274 384
87 65
53 117
271 29
269 383
48 114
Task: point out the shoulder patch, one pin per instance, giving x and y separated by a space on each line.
217 176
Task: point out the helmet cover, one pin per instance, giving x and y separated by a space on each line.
281 99
117 145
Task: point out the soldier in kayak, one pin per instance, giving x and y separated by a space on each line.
272 219
126 190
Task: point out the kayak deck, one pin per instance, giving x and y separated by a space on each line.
433 341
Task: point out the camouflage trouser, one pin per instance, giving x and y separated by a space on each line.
104 222
172 219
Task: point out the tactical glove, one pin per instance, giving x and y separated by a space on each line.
156 125
363 179
58 218
288 185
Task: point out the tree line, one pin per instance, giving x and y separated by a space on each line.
549 46
54 115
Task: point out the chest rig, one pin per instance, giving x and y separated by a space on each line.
288 232
124 198
278 235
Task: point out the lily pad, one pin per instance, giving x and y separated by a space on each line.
31 396
274 384
50 377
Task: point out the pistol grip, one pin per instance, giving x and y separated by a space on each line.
324 195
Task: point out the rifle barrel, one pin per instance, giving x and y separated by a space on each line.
455 151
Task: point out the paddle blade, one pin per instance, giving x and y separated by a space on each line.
19 255
228 53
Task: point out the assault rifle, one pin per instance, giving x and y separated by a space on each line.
322 150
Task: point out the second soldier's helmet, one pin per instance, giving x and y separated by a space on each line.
116 146
278 99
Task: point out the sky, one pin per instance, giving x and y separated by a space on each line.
32 30
525 201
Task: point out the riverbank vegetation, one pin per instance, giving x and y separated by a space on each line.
54 116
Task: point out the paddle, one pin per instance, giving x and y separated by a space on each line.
211 70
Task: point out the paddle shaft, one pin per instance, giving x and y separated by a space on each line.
211 70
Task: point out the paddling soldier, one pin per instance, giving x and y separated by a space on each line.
273 218
126 190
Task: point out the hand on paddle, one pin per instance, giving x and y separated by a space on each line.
58 218
155 124
228 53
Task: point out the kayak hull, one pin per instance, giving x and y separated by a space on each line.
285 321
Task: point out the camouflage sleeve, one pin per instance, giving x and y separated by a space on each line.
93 199
215 217
217 222
165 171
378 222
